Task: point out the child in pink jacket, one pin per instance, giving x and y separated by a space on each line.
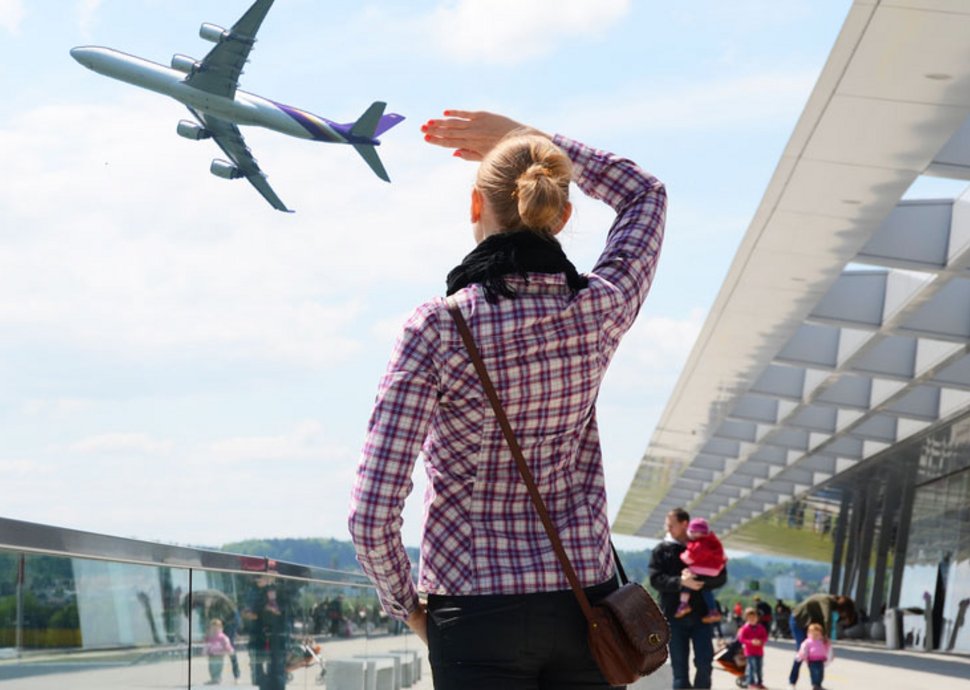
217 647
704 557
817 651
752 637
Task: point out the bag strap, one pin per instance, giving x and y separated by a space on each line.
527 477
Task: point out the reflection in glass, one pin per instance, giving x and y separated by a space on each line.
936 579
85 623
90 618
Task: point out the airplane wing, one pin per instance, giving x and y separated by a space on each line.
221 67
228 137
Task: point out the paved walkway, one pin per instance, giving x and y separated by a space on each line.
856 667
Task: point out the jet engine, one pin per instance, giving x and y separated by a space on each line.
225 169
213 33
190 130
184 63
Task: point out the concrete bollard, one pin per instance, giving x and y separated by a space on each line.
415 660
346 674
396 660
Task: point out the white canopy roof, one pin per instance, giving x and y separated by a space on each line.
804 368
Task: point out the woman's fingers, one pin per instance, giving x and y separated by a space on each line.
473 133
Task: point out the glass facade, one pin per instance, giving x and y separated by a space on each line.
936 578
87 623
896 529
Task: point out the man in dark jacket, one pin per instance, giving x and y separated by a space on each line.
668 575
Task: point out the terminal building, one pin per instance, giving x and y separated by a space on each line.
824 412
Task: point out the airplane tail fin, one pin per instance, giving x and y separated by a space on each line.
372 124
369 154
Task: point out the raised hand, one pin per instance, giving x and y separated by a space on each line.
471 133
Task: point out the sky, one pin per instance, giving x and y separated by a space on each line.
181 363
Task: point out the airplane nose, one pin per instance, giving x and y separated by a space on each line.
82 55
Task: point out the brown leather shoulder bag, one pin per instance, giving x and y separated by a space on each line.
627 632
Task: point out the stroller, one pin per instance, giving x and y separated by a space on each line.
731 659
304 655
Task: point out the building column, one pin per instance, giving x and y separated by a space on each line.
903 520
838 550
866 535
890 491
852 547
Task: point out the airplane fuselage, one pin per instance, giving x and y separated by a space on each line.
244 109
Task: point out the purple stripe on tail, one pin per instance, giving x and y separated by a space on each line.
386 122
308 123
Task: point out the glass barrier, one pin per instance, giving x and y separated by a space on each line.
68 621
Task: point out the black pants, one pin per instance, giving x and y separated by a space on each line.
512 642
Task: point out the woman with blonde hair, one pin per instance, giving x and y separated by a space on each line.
500 612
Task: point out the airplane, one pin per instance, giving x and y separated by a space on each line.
208 88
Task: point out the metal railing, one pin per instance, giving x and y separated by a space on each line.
30 537
111 611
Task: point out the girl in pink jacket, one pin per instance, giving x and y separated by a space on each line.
752 637
817 651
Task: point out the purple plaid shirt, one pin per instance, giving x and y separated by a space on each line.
546 351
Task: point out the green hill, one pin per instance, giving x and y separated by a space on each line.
746 576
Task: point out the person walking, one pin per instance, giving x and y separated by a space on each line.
817 651
669 575
752 637
825 610
500 612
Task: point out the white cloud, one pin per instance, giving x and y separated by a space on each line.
306 440
11 15
12 468
211 491
652 354
122 443
707 106
510 31
389 327
145 253
87 11
55 407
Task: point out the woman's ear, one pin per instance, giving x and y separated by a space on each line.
476 206
567 213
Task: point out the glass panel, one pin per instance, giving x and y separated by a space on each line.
9 563
86 623
803 529
97 624
956 634
936 580
271 632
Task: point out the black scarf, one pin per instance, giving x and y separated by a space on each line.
516 252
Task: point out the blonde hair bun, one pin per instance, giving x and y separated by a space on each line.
526 180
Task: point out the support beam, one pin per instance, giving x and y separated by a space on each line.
915 236
756 408
848 391
787 383
813 345
852 546
892 357
889 504
903 520
865 543
944 316
953 160
838 549
856 300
